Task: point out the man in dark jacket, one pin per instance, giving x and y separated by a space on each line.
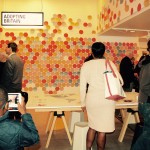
14 135
127 72
12 74
143 141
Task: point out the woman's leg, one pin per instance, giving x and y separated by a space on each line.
90 138
101 140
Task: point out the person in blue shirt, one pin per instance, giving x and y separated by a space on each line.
14 134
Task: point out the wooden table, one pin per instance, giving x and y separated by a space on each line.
56 104
71 102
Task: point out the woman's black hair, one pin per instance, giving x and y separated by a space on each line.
98 49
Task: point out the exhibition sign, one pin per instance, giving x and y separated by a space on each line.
22 19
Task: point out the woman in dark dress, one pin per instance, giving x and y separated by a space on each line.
3 58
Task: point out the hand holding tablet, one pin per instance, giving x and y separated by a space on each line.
13 99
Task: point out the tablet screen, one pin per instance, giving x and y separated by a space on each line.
13 99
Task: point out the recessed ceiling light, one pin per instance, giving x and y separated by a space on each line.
132 31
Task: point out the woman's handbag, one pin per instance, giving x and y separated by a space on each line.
113 87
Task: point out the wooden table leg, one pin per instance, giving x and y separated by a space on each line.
57 114
51 131
122 112
49 121
137 119
124 127
67 130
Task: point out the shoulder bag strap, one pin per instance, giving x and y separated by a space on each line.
108 62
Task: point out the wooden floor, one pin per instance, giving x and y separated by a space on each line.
59 140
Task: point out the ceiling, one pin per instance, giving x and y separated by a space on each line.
133 26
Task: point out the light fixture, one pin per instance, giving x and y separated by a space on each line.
131 30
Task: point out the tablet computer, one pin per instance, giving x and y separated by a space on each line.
13 99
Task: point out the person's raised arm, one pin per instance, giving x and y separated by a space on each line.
29 133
